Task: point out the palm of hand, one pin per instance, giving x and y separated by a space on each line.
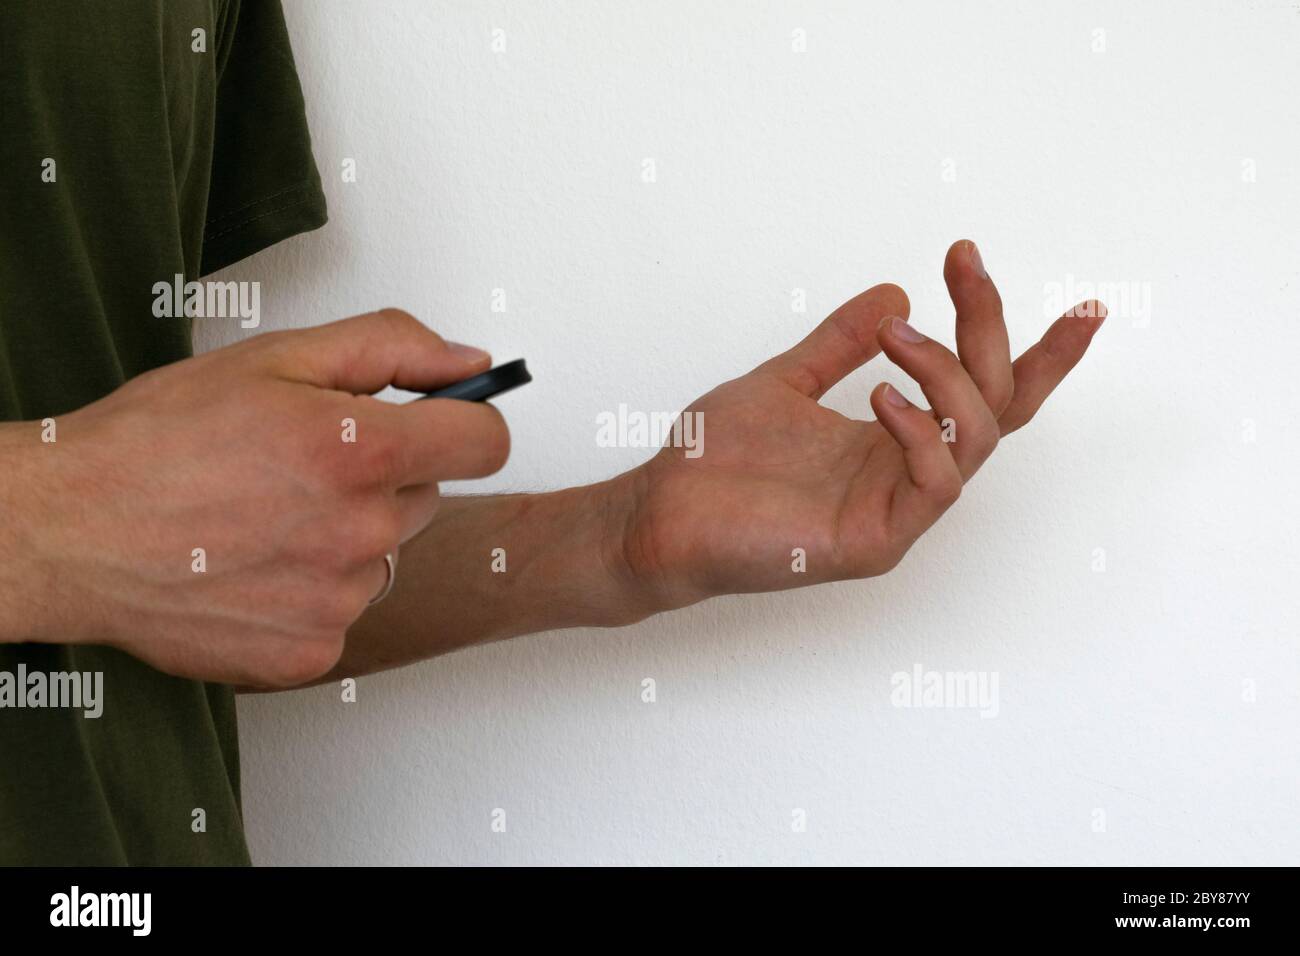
779 471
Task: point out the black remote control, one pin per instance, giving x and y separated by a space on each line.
489 384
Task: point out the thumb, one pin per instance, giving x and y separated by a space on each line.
843 341
367 353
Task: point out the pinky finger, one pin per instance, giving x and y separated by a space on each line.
936 480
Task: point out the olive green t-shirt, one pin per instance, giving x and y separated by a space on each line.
139 140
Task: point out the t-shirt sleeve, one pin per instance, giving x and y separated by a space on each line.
265 186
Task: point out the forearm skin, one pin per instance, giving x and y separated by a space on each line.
563 567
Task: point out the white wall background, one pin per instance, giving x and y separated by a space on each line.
1125 691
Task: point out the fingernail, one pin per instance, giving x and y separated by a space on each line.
904 331
468 353
977 262
1091 309
895 397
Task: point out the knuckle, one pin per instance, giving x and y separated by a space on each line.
350 447
946 490
999 396
397 319
371 453
373 534
980 440
986 440
336 472
942 488
400 324
380 460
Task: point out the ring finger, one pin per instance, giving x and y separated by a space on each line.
954 396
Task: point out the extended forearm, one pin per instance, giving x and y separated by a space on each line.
499 566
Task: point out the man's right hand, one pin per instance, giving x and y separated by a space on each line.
244 454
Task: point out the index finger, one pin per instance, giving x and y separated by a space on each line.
366 353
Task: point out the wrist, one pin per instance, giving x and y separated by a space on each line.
646 557
577 561
614 507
